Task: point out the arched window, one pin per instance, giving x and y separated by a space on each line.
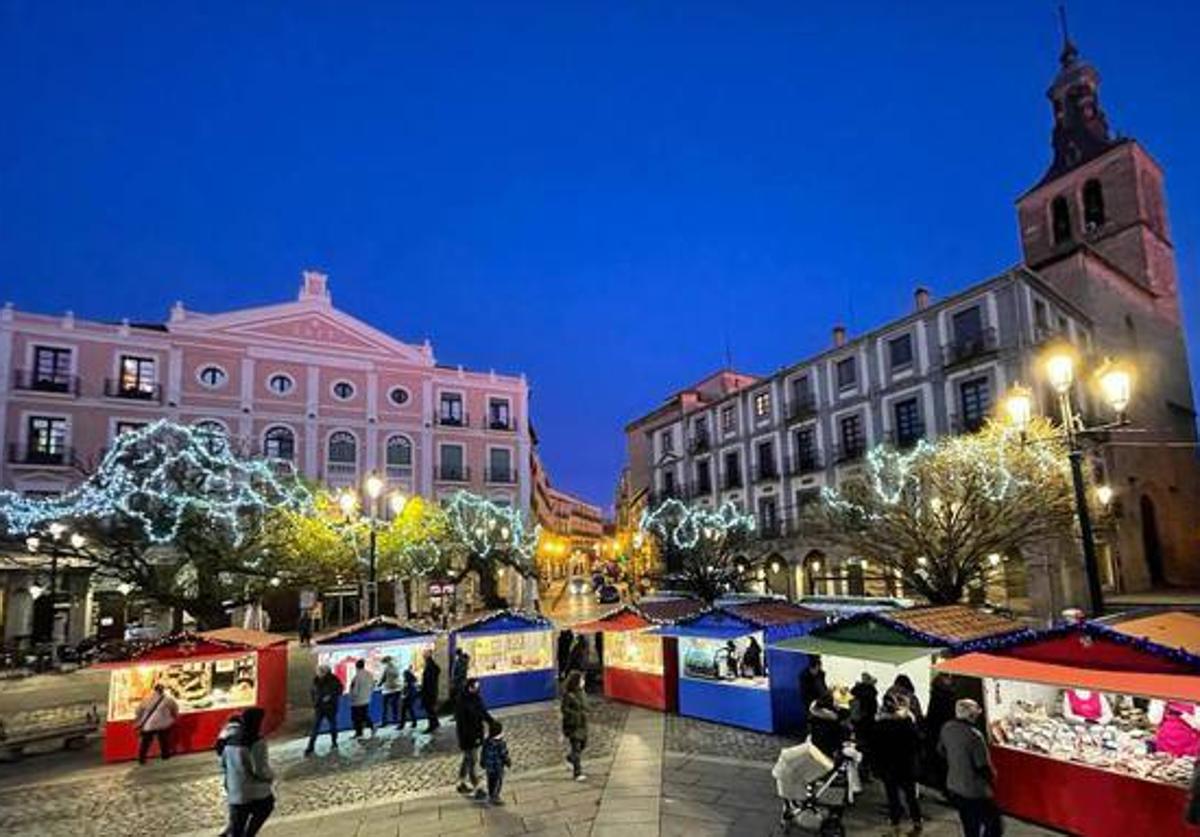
279 443
343 448
1060 213
213 434
1093 205
399 452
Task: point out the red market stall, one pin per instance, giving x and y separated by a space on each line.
212 676
1080 722
640 667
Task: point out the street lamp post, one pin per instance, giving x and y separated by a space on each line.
34 543
1116 385
373 487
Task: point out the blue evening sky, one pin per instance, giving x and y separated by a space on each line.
597 194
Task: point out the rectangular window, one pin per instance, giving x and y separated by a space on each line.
47 440
733 470
975 399
908 422
137 377
667 441
51 369
451 464
500 465
768 516
728 419
762 404
847 374
853 441
766 460
1041 315
807 496
806 450
499 417
900 351
968 326
668 482
700 427
703 477
450 409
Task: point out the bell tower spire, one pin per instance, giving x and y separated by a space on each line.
1080 126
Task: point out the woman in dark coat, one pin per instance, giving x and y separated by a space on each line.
574 722
941 710
827 726
429 691
895 750
470 720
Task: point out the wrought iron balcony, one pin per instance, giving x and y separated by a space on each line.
802 407
845 454
765 472
452 473
731 481
32 381
699 442
32 454
805 462
500 475
966 349
114 388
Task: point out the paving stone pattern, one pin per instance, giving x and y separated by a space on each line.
689 735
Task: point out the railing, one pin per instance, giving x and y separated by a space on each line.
454 421
24 379
398 472
843 454
454 473
502 475
803 407
699 443
501 424
806 463
766 472
341 471
701 489
32 455
141 392
969 348
731 481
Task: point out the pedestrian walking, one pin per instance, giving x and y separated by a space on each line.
903 686
577 659
232 728
305 627
409 693
939 711
969 772
361 688
153 719
429 691
495 759
895 749
390 687
248 777
326 692
459 666
574 722
864 706
470 715
566 638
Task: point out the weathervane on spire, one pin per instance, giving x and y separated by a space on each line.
1069 50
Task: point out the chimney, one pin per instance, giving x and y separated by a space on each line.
921 296
315 286
839 336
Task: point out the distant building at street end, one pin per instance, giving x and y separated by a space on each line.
298 381
572 528
1098 271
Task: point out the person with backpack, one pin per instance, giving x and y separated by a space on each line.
248 776
326 692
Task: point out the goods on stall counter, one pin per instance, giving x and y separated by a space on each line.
197 685
1124 746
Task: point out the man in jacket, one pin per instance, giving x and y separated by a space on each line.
969 772
153 719
574 722
248 776
326 692
390 687
429 691
470 716
362 686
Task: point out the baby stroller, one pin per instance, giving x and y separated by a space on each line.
816 790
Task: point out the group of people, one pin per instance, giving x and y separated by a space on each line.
904 746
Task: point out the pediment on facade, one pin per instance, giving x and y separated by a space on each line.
303 325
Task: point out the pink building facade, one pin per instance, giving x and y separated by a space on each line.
298 380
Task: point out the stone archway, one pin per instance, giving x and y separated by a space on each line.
776 571
815 563
1152 542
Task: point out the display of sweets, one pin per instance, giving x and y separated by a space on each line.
1124 746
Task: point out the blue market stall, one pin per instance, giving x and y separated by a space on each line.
371 641
731 673
512 655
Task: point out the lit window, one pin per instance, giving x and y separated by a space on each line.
279 443
762 404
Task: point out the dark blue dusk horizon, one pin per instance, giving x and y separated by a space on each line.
601 196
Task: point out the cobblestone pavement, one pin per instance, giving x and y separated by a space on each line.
689 735
185 793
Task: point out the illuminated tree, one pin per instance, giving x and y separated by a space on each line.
940 516
174 512
484 538
700 547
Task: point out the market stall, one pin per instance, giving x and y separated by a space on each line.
1092 731
893 643
512 655
640 667
211 676
731 670
371 641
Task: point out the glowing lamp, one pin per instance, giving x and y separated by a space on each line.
36 590
398 501
374 486
57 529
1060 369
994 559
1104 494
77 541
347 501
1018 406
125 588
32 543
816 566
774 566
1116 385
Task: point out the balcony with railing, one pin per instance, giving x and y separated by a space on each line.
31 381
699 442
973 347
805 462
500 475
802 407
765 472
454 420
114 388
849 453
452 473
731 481
396 473
341 473
505 425
40 455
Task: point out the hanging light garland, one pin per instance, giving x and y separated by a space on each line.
159 475
685 525
486 528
